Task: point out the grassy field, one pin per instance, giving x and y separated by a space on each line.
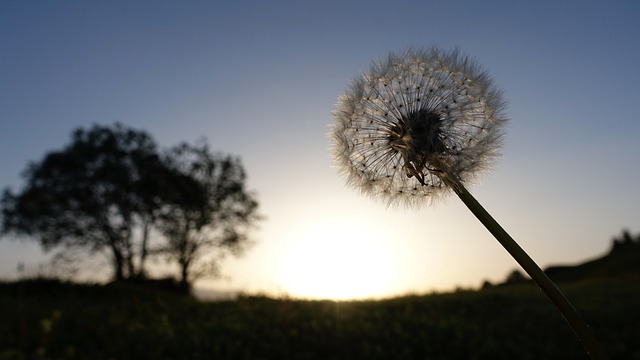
52 320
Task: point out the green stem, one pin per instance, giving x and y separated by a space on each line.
570 314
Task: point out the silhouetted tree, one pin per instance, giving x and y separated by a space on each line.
515 277
209 219
624 241
486 284
98 193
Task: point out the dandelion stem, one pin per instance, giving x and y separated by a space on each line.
570 314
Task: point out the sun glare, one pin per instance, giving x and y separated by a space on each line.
339 262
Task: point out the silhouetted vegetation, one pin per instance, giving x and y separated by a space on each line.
625 241
112 191
53 320
516 277
622 259
215 217
50 319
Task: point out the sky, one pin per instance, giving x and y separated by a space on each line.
259 79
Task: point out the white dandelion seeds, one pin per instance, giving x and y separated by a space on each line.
418 125
415 122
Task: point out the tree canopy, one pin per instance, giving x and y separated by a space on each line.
111 187
211 219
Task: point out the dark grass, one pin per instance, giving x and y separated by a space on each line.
52 320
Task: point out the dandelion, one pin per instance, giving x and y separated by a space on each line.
423 124
414 125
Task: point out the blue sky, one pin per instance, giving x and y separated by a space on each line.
259 79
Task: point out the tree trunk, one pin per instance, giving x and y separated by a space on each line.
146 224
184 271
185 286
129 252
118 264
114 244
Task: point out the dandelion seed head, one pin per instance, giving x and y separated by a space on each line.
413 122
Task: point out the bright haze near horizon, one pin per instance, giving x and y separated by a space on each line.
259 79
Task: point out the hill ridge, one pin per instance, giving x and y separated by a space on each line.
623 259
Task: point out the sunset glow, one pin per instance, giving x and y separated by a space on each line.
337 262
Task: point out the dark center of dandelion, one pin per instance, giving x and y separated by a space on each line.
425 129
417 137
